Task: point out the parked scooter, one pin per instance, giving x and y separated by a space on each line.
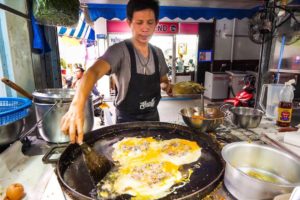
98 111
245 97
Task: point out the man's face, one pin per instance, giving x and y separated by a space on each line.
143 25
79 73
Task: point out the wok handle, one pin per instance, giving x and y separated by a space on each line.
57 149
16 87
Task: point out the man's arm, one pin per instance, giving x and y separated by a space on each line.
72 121
95 72
165 85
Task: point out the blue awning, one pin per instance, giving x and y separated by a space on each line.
297 2
82 31
110 11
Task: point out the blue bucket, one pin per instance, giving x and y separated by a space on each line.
13 109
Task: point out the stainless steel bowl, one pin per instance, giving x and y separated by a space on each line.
281 171
213 117
244 117
11 132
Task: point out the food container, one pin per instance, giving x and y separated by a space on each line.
245 117
11 132
211 119
50 106
257 172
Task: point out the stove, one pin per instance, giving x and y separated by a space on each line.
36 147
3 147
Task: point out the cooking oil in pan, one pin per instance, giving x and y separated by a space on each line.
263 175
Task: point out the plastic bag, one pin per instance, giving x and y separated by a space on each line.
56 12
187 87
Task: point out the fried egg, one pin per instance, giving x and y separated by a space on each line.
149 168
150 180
132 148
179 151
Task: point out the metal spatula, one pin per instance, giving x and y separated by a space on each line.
98 165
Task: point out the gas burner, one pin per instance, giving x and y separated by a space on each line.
36 146
3 147
227 193
220 192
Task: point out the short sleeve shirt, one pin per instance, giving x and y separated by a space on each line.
118 57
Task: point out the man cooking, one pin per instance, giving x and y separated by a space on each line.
139 70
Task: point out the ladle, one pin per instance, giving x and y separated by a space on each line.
16 87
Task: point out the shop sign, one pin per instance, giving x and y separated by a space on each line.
161 28
101 36
188 28
205 55
117 27
167 28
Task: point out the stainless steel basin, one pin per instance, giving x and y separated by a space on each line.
280 171
11 132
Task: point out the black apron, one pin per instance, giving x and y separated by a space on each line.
143 95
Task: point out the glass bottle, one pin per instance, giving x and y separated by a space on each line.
285 104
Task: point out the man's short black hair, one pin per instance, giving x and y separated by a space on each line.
80 68
137 5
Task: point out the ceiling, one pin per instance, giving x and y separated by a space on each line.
232 4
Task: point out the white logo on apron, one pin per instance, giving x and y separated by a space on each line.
146 104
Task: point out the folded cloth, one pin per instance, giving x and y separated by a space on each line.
292 138
39 41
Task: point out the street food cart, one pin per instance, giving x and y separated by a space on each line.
61 180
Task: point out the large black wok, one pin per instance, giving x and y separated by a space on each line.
76 182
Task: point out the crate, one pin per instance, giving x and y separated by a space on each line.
13 109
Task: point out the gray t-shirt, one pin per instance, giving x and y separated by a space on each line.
118 57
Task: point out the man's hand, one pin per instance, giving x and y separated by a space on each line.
72 124
166 86
169 90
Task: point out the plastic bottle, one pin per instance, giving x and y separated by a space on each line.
285 104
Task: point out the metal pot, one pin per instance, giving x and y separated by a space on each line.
44 100
246 162
212 119
11 132
244 117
